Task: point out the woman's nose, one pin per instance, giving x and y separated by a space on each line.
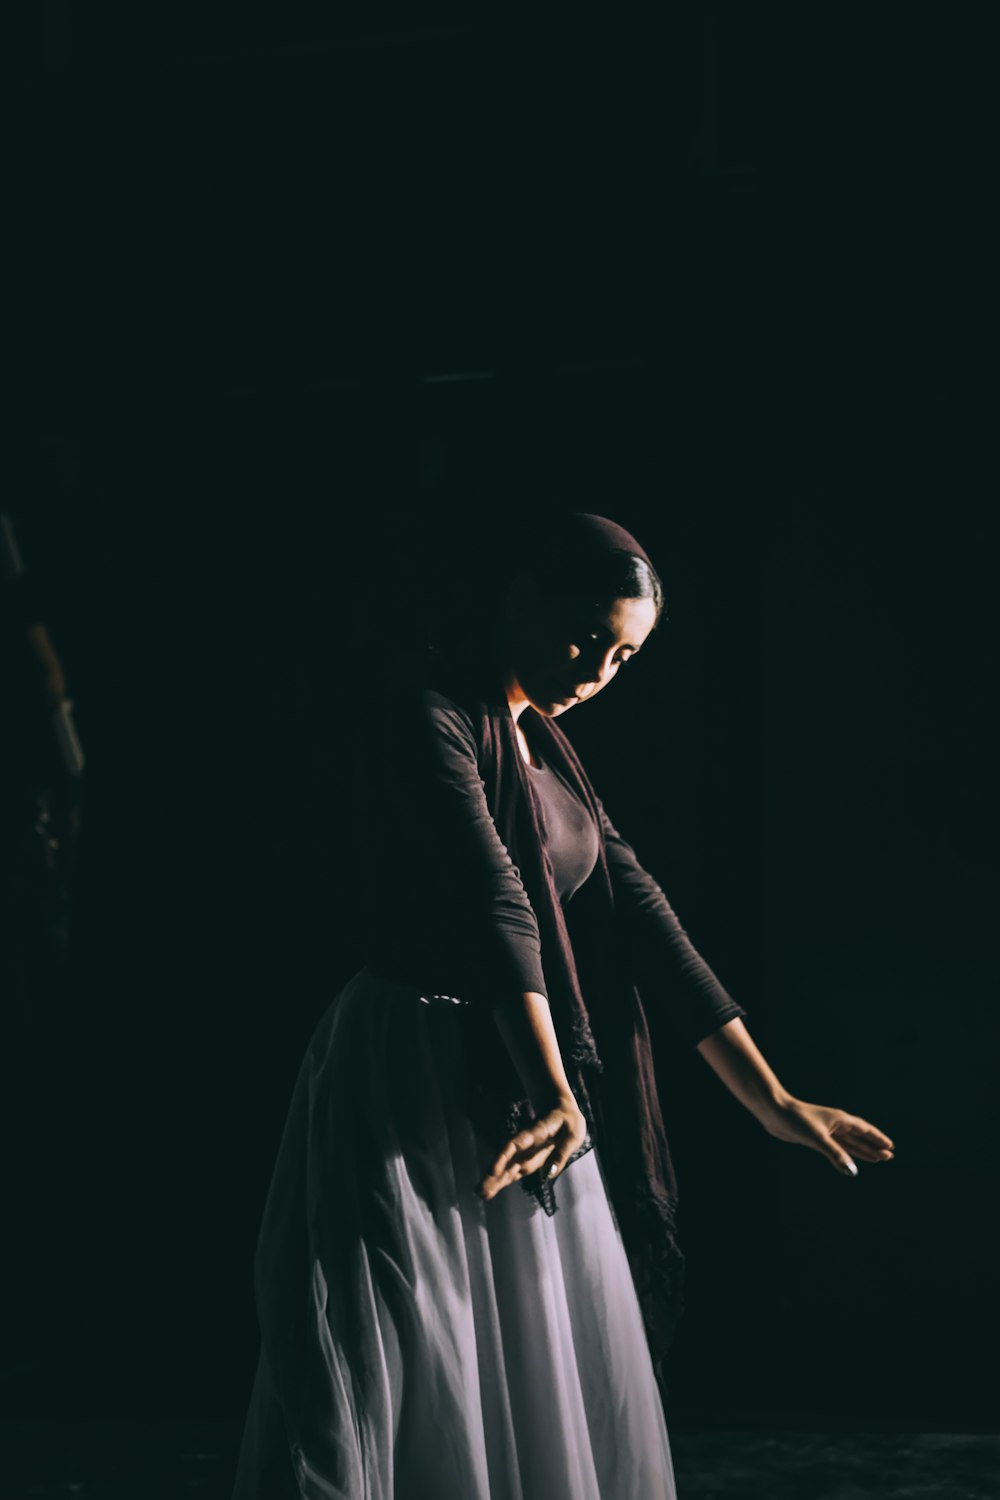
595 669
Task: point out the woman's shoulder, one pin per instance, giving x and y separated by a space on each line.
445 692
434 700
448 702
441 716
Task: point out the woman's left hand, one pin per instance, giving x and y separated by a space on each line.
839 1136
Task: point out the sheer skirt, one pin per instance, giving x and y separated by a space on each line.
416 1342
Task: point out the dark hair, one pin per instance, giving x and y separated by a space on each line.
601 577
561 558
564 559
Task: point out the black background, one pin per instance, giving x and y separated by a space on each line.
720 275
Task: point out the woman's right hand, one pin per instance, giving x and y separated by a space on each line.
548 1142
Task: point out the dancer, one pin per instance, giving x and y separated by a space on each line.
467 1275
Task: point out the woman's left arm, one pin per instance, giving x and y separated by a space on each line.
703 1012
839 1136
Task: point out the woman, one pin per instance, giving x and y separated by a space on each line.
467 1274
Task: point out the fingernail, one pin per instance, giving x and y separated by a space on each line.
851 1168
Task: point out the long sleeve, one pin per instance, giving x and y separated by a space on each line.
452 905
666 963
500 907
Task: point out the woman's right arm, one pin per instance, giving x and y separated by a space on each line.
493 895
490 899
509 931
560 1127
525 1023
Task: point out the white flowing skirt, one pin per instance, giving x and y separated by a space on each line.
418 1343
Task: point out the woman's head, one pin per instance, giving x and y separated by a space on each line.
580 601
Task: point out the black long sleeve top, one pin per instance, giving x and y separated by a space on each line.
571 835
447 909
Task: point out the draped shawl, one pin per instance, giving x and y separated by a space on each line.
597 1010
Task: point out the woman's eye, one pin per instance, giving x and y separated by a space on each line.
597 636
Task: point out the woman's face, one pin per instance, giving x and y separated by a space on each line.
563 651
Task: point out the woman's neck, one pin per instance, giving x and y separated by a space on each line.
516 697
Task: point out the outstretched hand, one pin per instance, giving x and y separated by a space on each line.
839 1136
547 1142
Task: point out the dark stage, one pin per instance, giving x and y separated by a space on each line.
326 304
149 1461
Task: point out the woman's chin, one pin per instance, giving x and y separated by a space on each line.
553 707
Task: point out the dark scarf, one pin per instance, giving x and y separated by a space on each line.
597 1011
